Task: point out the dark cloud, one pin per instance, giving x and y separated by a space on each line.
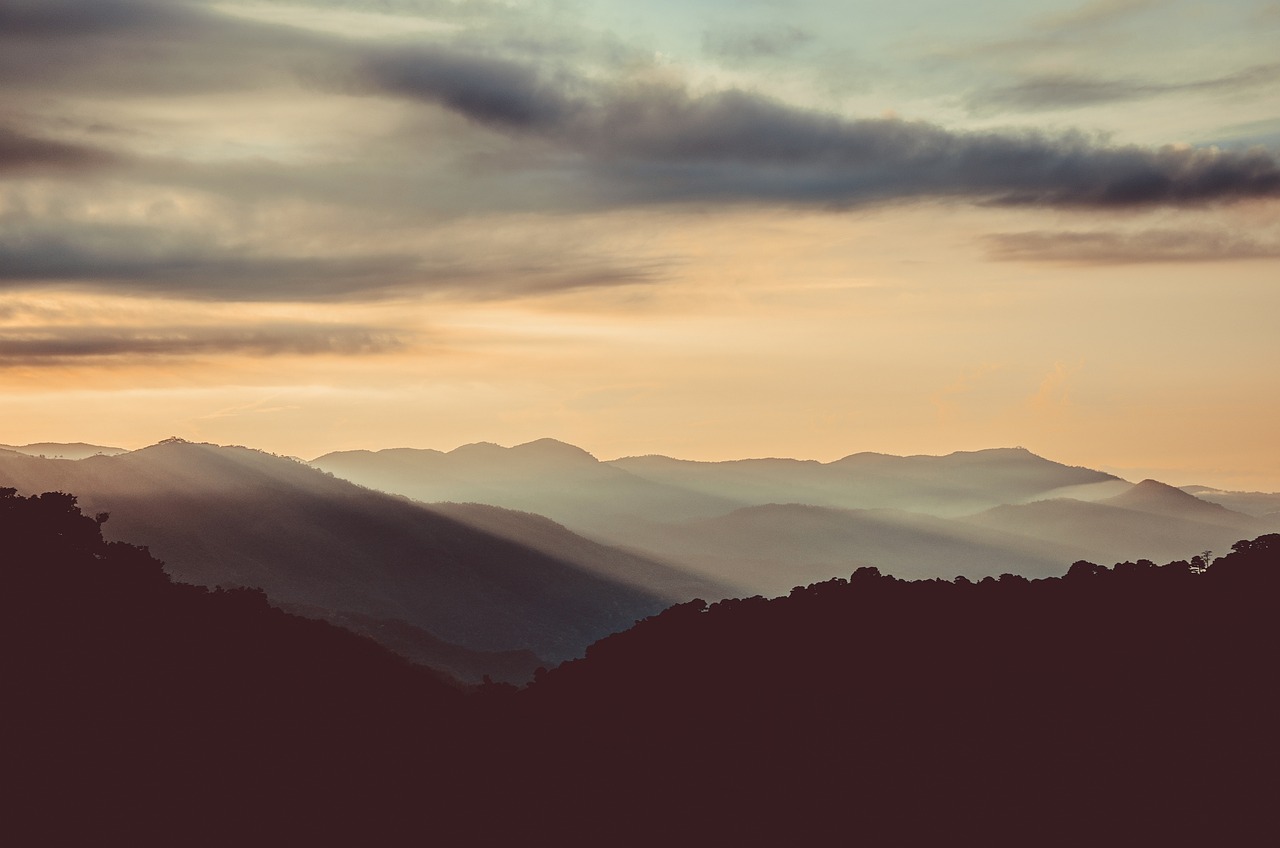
662 143
542 139
738 145
62 345
140 260
21 153
488 90
1067 91
1117 248
27 19
145 261
745 45
146 47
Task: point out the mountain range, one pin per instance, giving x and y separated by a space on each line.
64 450
234 516
762 526
492 561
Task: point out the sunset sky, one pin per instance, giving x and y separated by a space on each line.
705 228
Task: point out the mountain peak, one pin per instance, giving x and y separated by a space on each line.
554 447
1155 489
539 450
1154 496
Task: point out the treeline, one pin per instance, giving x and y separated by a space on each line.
1130 705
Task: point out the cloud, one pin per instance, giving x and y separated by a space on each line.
578 140
1067 91
28 19
489 90
131 47
1052 396
466 124
659 142
1115 248
55 345
140 260
22 154
1087 24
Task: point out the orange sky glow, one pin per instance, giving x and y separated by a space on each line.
677 239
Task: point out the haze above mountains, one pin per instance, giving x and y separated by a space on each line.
488 560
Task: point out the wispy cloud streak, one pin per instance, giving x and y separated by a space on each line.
1119 248
55 345
1069 91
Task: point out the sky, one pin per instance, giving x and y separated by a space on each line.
706 229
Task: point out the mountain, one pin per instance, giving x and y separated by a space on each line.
546 477
163 712
1148 521
544 535
951 485
769 549
759 525
1064 711
61 450
421 647
1066 708
235 516
1158 498
618 499
1257 504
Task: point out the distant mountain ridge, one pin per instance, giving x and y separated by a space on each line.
571 486
764 525
546 477
947 485
64 450
1148 521
1250 503
1162 499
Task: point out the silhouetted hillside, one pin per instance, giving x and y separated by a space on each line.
140 711
419 646
1124 706
238 517
1127 706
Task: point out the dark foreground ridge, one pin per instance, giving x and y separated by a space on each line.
1124 706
